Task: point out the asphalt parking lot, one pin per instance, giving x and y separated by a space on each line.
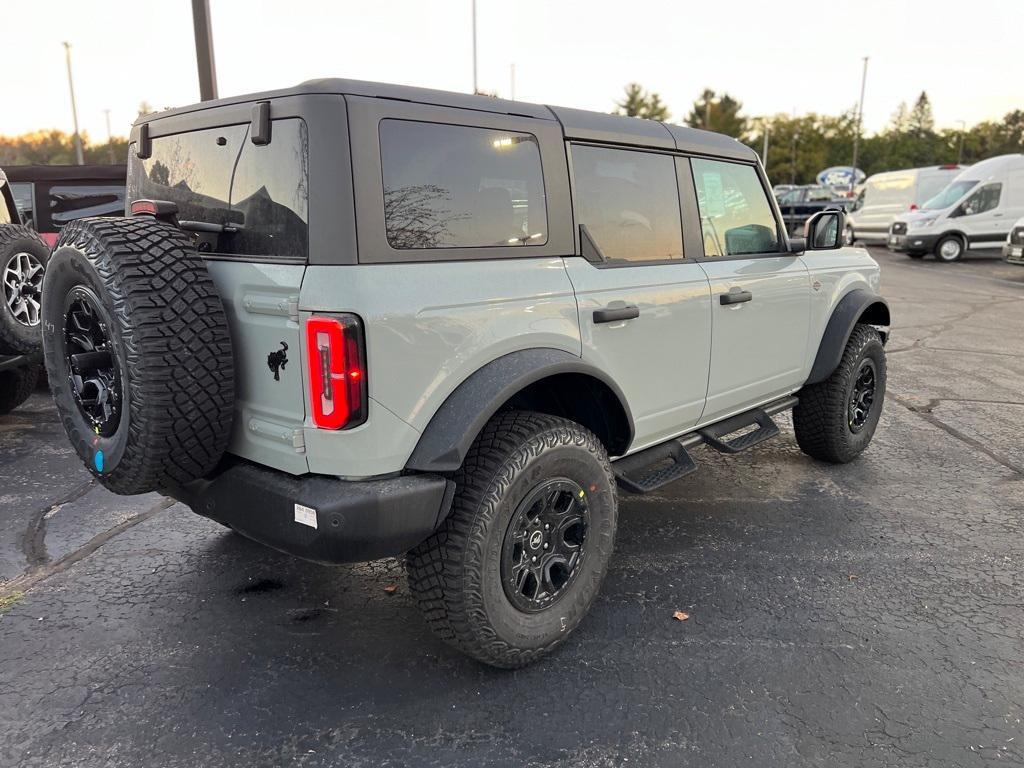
870 614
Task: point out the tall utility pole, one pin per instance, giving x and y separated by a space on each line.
764 152
74 107
110 138
204 50
476 90
960 151
860 120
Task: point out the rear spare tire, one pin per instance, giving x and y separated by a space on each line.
23 257
138 353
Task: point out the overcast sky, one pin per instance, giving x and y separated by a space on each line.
774 57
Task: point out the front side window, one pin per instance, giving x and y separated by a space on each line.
735 216
70 202
985 199
455 186
629 202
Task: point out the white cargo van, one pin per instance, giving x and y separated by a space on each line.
976 210
886 196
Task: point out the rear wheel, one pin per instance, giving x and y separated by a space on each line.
138 353
518 562
23 257
836 418
949 248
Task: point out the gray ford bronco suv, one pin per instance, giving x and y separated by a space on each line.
352 321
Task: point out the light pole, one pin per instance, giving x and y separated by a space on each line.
476 90
766 124
110 138
204 50
960 151
74 107
860 118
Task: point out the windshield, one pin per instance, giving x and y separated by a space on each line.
948 196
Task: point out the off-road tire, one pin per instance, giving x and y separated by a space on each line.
16 338
455 575
169 333
16 385
821 418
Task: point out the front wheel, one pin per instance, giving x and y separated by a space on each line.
949 248
516 565
836 418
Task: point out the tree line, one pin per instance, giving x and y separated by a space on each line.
801 146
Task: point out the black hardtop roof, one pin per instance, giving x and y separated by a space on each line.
59 173
576 123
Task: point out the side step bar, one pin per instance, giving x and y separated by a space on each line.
666 462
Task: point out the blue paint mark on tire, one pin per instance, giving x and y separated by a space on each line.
97 461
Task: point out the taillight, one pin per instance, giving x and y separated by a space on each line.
337 371
913 206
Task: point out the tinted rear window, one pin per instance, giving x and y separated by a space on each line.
69 202
453 186
218 176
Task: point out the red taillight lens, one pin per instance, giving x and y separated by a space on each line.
140 207
337 371
913 206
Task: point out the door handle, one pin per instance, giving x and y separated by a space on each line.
735 297
618 313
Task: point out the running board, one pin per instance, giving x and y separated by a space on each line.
666 462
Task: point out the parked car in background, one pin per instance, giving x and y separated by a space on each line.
1013 249
23 258
49 196
888 195
977 209
800 203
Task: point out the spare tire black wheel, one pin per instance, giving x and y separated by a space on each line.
23 257
138 353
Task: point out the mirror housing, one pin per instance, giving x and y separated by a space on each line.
797 245
824 230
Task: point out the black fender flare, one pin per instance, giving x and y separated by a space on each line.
448 436
847 313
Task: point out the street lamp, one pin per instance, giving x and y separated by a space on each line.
74 109
860 119
960 151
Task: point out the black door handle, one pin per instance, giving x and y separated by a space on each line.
735 297
619 313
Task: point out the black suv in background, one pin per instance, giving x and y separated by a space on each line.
49 196
23 258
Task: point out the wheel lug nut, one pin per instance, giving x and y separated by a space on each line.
534 558
545 545
547 527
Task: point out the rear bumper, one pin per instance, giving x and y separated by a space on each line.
354 521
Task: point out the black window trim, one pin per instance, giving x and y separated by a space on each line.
686 192
470 248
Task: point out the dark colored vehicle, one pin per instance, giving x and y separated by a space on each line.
23 258
49 196
800 203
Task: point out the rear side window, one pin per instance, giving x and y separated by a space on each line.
70 202
735 215
454 186
629 202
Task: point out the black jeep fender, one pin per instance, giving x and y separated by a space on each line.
858 306
451 431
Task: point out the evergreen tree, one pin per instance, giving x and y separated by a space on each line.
718 113
640 103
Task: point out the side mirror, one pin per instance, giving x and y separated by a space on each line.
824 230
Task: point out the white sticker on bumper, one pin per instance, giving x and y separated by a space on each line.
305 515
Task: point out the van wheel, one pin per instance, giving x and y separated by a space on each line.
949 248
16 386
836 418
138 353
519 560
23 257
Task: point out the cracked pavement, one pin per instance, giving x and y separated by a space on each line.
864 615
